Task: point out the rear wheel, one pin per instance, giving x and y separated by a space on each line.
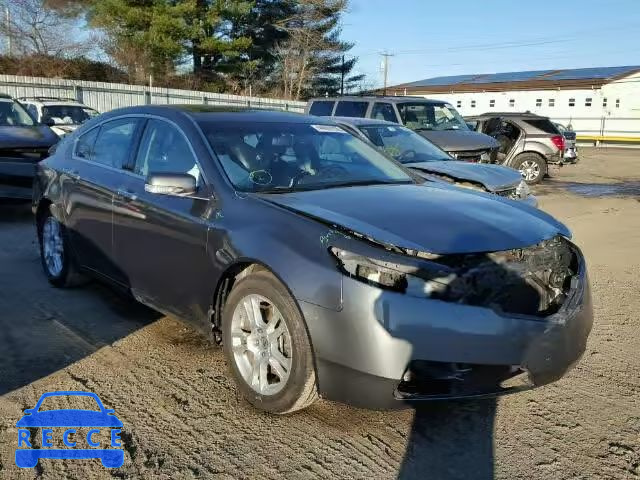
55 253
267 346
531 166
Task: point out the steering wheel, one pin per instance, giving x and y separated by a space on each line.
406 155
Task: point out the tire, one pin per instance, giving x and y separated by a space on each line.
66 272
531 166
245 342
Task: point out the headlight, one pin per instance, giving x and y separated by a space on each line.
522 190
419 281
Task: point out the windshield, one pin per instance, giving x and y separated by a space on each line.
279 157
431 116
67 114
13 114
403 144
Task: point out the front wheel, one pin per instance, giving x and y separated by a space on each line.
531 166
267 346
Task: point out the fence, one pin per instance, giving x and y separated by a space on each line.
618 130
106 96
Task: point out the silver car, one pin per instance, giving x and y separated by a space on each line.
529 143
429 161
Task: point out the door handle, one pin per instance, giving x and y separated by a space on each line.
126 194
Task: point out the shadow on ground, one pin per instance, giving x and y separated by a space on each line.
451 440
628 189
44 329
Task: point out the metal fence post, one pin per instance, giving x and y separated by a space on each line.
78 93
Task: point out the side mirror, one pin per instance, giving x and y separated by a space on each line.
29 411
179 184
471 126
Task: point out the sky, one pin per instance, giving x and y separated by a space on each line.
430 38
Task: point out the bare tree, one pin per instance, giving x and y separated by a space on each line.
311 36
34 29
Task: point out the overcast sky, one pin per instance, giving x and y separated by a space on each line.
447 37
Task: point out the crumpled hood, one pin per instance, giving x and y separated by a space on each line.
24 137
493 177
430 218
459 140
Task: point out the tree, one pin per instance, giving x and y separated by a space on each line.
143 36
35 29
254 70
311 58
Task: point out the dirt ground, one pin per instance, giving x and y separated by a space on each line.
184 418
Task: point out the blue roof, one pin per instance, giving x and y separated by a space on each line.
600 73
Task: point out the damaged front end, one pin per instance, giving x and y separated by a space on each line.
529 281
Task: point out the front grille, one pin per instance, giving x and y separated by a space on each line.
470 155
33 154
508 193
426 379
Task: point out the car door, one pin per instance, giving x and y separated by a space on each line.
92 176
160 241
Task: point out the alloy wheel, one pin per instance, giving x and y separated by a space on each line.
52 246
530 170
261 344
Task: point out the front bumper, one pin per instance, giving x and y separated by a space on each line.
364 351
16 178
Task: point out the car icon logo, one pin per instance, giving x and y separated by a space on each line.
70 419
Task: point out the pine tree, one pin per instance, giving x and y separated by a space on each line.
310 59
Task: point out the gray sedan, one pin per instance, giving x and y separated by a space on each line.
429 161
323 267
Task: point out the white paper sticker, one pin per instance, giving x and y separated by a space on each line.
328 129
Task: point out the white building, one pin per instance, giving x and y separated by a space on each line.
602 104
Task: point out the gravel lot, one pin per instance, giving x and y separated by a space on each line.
184 418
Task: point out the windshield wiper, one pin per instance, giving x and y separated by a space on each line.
422 128
364 183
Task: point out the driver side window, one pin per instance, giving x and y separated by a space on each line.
163 149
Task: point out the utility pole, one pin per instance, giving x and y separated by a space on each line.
385 67
7 13
342 77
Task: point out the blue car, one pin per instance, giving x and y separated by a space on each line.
102 418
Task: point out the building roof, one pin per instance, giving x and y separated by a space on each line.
527 80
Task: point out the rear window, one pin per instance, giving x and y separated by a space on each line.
543 124
351 109
322 108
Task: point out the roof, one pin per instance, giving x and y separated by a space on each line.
50 99
504 114
377 98
564 78
359 121
222 114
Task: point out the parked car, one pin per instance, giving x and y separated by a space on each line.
571 149
435 120
23 143
528 142
63 115
324 267
426 159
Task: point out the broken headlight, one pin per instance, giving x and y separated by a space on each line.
415 280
